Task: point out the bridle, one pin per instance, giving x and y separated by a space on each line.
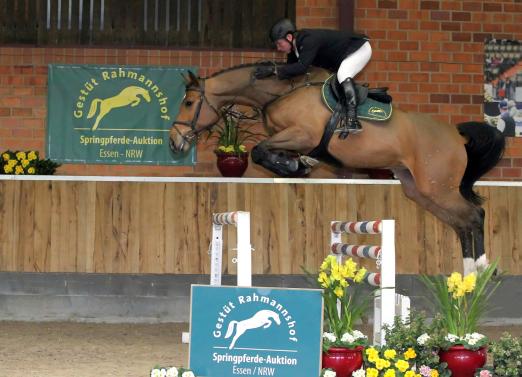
193 134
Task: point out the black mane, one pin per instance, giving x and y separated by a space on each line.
246 65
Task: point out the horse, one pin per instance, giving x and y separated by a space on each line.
262 318
436 163
128 96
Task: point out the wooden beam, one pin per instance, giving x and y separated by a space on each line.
346 15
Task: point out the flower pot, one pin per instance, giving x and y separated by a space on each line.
463 362
344 361
232 165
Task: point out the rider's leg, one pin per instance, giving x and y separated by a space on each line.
349 68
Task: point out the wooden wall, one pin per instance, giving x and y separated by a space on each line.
137 227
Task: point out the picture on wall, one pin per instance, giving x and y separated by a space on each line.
503 86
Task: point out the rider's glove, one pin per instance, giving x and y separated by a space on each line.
263 72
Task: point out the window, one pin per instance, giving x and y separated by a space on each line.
175 23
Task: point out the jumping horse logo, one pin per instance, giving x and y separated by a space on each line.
262 318
128 96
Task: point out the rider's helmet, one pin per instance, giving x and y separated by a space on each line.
281 28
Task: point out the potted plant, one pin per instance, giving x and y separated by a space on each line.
22 163
461 302
342 344
232 134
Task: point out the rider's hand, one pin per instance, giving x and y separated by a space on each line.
263 72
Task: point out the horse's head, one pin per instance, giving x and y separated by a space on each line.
196 114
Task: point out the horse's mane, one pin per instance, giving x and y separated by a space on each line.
245 65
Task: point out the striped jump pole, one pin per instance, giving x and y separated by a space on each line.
384 255
241 220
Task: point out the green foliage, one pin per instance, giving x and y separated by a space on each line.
507 356
22 163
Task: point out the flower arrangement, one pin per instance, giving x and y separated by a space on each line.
335 279
19 162
171 372
413 333
461 302
231 138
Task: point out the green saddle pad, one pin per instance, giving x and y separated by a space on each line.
369 109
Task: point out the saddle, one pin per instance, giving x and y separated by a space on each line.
374 103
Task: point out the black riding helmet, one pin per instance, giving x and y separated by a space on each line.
281 28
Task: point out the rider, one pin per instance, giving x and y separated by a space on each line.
343 52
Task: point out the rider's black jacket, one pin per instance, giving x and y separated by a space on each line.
320 48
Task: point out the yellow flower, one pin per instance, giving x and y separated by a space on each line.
5 156
459 291
381 364
327 262
19 170
390 354
12 163
242 148
221 148
469 282
359 276
454 281
25 163
402 365
389 373
372 372
32 156
371 351
229 149
31 170
409 373
337 274
410 354
350 268
339 291
20 156
434 373
8 169
323 279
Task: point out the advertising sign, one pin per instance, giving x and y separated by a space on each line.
237 331
114 114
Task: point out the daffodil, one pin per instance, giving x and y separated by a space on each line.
470 282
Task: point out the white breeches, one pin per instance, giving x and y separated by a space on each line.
354 63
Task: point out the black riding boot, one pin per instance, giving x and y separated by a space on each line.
350 122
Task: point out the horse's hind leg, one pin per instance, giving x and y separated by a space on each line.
450 208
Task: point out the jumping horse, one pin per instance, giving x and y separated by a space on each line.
436 163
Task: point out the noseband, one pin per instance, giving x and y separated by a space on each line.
193 134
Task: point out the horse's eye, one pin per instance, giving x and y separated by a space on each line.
188 103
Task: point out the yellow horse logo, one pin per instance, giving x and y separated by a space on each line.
128 96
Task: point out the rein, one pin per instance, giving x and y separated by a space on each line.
193 134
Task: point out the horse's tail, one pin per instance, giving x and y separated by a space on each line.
485 148
94 106
230 329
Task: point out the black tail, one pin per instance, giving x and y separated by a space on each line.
485 148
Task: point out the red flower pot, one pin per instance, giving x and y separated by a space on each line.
344 361
232 165
463 362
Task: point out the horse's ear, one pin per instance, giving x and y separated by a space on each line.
193 78
185 79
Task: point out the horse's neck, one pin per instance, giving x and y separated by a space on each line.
237 87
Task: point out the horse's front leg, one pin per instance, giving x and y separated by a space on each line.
282 153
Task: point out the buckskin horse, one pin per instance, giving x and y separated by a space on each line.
436 163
